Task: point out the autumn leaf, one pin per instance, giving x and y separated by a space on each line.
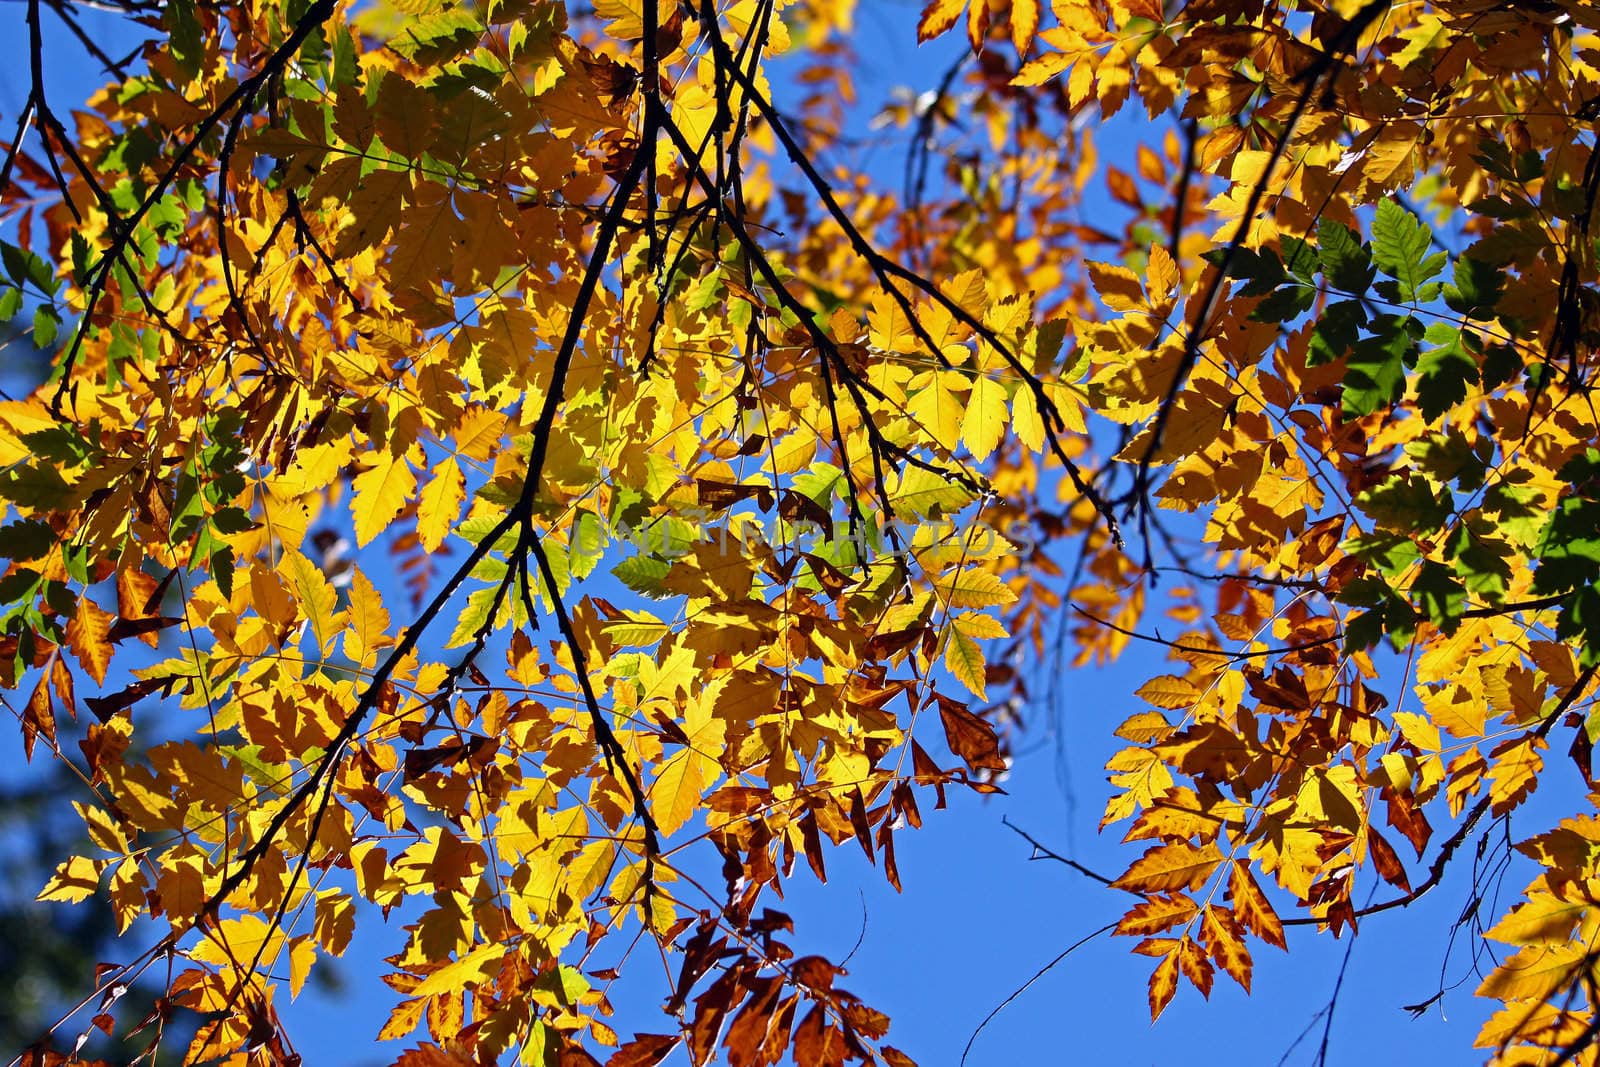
380 492
88 635
1177 865
549 477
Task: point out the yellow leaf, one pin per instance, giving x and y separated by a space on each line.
637 628
964 659
302 954
938 410
1515 772
1536 972
1024 23
1163 984
1418 730
403 1019
1542 919
1025 418
75 880
335 921
676 791
1169 691
1157 915
440 504
938 17
980 627
456 976
1163 277
369 621
1224 939
478 432
317 598
984 422
974 589
381 492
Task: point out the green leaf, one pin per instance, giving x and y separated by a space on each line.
588 543
1479 560
1262 271
1336 331
1375 373
24 266
1500 365
220 565
1390 552
39 486
46 326
1579 622
1447 371
1477 289
1499 208
474 616
1300 258
645 575
26 539
1400 243
1346 261
820 483
184 35
1407 503
1286 304
1439 595
1389 614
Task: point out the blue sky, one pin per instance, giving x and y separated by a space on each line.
976 918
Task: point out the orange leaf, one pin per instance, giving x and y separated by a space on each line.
1177 865
1224 939
38 717
88 635
1163 984
938 17
1156 915
1252 907
1195 966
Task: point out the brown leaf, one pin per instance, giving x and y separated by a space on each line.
749 1028
38 717
817 1043
1405 815
710 1008
106 707
778 1030
812 840
645 1050
970 737
1387 862
859 824
431 1055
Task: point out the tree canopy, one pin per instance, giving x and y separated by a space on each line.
511 461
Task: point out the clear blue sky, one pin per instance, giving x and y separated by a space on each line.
976 919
